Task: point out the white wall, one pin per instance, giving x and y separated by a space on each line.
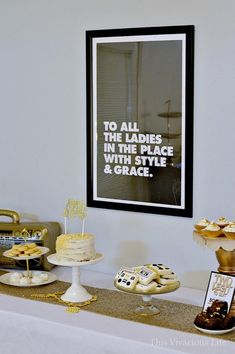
43 122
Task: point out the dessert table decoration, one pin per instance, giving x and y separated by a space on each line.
148 280
173 315
71 306
74 208
215 319
75 250
223 244
26 251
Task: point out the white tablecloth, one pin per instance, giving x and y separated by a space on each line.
30 327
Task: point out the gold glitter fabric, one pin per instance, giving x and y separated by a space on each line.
173 315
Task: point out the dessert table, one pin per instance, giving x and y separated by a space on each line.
30 327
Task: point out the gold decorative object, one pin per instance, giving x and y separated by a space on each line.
75 208
11 214
71 306
224 251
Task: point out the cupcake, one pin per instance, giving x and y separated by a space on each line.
229 230
201 224
222 222
212 230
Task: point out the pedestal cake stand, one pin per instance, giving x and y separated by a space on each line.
76 292
147 308
225 253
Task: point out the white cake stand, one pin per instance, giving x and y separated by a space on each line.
76 292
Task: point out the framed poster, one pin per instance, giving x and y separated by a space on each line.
140 119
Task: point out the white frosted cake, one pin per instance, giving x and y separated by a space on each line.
76 247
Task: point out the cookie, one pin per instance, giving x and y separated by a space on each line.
24 250
159 286
145 288
127 280
160 268
31 245
146 275
122 271
165 280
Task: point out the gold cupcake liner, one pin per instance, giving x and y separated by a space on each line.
212 234
230 235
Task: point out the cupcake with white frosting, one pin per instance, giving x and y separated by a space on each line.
222 222
229 230
201 224
212 230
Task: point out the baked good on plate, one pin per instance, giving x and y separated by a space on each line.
215 317
146 275
76 247
222 222
212 230
218 308
126 279
24 250
229 231
147 279
145 288
202 223
160 268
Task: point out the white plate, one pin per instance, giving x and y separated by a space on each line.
54 259
43 250
215 332
5 279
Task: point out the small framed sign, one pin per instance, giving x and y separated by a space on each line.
140 119
220 287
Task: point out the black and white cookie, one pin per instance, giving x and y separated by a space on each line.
127 280
146 275
166 280
160 268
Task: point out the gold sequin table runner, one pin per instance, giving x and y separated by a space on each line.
173 315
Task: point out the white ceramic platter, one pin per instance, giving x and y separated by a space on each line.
215 332
5 279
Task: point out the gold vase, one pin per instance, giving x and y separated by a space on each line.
226 261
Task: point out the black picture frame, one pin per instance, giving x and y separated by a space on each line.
140 84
